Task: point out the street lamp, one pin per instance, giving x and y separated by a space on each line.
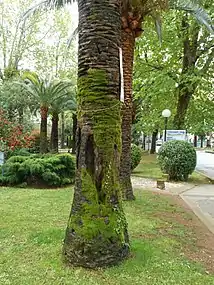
166 114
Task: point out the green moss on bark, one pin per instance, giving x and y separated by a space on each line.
94 218
97 228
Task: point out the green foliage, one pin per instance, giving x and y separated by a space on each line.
17 152
47 170
177 159
136 155
160 75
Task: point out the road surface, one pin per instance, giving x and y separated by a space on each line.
205 163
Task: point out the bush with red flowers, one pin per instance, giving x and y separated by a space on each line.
12 135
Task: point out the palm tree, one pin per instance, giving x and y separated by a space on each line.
58 106
44 93
96 234
133 15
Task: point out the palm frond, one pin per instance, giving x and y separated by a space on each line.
45 4
193 8
72 37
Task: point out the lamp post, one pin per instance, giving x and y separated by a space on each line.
166 114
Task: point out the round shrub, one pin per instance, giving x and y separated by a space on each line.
136 155
177 159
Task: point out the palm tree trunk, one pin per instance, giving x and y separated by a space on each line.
62 130
128 44
96 234
153 144
54 132
43 129
74 129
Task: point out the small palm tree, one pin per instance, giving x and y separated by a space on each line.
44 93
58 106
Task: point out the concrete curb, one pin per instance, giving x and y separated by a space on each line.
205 175
204 217
209 151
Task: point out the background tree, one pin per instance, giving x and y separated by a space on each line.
57 107
133 15
44 93
158 71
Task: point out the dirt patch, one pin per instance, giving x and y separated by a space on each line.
198 243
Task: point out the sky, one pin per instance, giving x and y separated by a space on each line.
75 14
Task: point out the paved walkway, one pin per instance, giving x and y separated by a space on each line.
199 198
205 164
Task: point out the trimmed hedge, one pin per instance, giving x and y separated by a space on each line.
35 170
136 155
177 159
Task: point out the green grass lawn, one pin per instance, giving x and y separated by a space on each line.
149 168
32 226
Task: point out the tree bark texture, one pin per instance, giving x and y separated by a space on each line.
54 132
153 144
184 97
195 141
43 129
128 44
202 141
96 234
74 131
187 85
62 130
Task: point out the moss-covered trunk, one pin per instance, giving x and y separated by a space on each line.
96 234
54 132
43 129
74 131
128 44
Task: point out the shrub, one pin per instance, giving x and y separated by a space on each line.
177 159
46 170
12 135
17 152
136 155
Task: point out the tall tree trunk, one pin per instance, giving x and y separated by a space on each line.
144 142
97 234
202 141
62 130
188 84
54 132
182 107
195 141
153 144
209 140
128 44
74 130
43 129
